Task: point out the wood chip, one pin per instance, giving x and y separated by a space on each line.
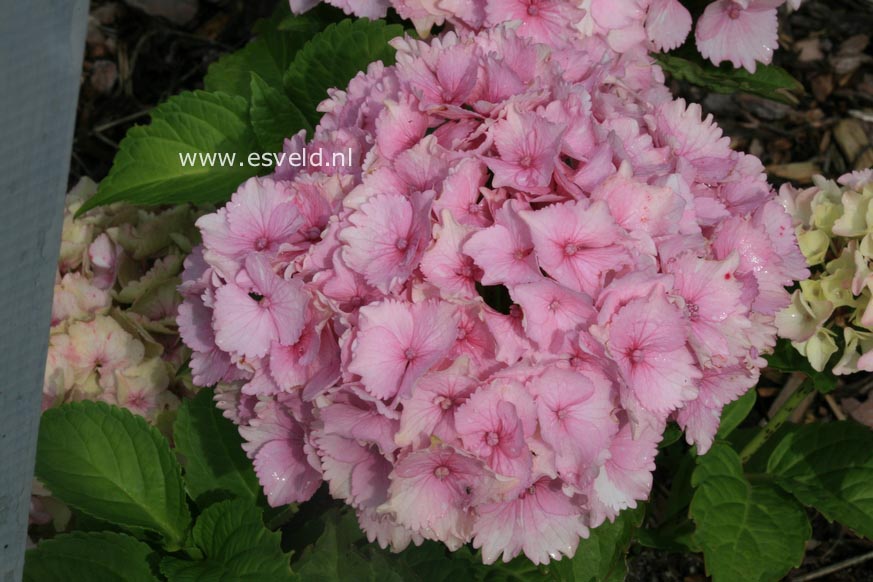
851 136
865 115
822 87
809 50
104 74
800 172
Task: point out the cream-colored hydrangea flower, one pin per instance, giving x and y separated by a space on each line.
113 335
831 312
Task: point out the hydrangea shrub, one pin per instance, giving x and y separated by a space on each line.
480 328
477 335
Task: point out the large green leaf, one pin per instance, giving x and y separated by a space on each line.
334 558
236 547
829 466
277 39
104 556
107 462
274 117
148 168
601 557
214 461
750 532
333 57
341 552
268 56
767 81
736 412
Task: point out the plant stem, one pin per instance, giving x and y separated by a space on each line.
777 420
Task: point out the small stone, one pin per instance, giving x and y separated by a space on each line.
104 74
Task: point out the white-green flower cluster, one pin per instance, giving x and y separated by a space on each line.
832 311
114 336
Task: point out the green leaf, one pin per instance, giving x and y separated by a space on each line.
601 557
104 556
736 412
747 532
332 558
235 545
432 562
829 466
268 56
788 359
314 20
672 434
681 490
274 117
148 167
676 537
333 57
212 448
107 462
767 81
341 552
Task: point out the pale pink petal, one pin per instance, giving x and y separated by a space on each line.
729 32
542 522
576 245
667 24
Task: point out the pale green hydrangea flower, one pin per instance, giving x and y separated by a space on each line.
831 312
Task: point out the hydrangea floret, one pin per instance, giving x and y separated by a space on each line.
478 330
742 32
834 223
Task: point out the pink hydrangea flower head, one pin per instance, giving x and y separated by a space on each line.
479 330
